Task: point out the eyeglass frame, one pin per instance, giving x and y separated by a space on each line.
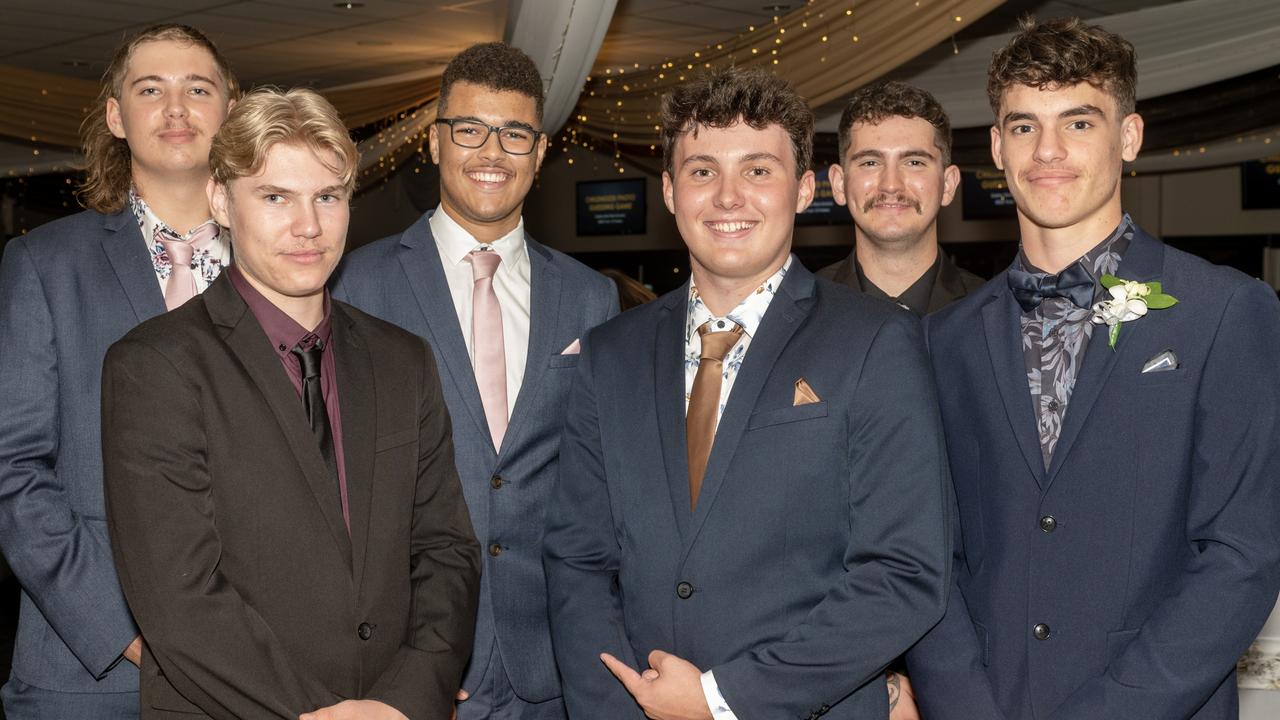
492 129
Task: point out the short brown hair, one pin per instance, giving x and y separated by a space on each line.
879 101
722 98
108 164
1063 52
269 116
497 66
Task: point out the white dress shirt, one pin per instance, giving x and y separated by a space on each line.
510 284
748 314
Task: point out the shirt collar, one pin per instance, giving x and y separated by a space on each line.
1096 259
150 223
455 242
915 298
283 331
748 313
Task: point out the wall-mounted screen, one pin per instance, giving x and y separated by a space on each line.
984 195
1260 184
611 207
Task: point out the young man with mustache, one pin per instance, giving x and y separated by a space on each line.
503 314
1111 407
895 175
287 522
147 243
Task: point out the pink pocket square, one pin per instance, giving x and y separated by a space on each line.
574 348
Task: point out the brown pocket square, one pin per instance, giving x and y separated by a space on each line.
804 393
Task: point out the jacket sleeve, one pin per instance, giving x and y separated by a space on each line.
445 577
212 646
896 562
1228 585
62 558
582 564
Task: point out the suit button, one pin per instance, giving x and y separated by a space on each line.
684 591
365 631
495 482
1041 631
1048 523
495 549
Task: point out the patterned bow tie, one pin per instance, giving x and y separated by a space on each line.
1030 289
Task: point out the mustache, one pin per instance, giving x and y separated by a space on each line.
894 199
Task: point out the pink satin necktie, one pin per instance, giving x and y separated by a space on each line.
181 286
490 356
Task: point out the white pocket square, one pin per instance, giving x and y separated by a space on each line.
574 348
1164 362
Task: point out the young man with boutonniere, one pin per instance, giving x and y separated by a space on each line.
1117 546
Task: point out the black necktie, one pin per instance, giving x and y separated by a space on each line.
1074 283
313 401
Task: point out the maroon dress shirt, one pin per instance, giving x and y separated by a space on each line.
284 333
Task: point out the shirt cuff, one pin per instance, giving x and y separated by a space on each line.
719 708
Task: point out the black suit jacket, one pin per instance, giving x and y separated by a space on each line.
253 599
953 282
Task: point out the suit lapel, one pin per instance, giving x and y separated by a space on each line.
247 341
421 263
1004 344
544 313
1141 262
786 313
359 422
126 250
669 401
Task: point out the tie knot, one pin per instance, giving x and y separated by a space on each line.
484 263
717 343
310 358
180 252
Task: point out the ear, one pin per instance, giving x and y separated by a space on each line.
114 123
433 143
995 147
835 176
1131 137
950 182
219 202
668 192
540 151
805 195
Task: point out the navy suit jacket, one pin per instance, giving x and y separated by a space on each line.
1160 565
400 279
68 290
818 551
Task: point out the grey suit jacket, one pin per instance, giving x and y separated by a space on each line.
818 549
400 279
67 291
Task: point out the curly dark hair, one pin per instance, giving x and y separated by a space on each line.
726 97
874 103
497 66
1062 52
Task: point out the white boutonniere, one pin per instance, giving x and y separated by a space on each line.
1129 301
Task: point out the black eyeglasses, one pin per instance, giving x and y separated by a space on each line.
512 139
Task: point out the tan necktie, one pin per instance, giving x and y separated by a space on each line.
704 402
181 285
486 342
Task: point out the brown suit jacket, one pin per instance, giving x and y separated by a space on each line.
253 599
953 282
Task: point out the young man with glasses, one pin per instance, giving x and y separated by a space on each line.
503 315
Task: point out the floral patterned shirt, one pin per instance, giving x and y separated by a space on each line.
1056 333
748 314
205 264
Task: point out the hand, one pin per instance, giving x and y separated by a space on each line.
462 695
902 700
133 653
671 689
355 710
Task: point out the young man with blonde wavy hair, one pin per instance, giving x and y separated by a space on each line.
68 290
288 525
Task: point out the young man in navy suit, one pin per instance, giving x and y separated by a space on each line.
503 314
1111 407
68 290
750 520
